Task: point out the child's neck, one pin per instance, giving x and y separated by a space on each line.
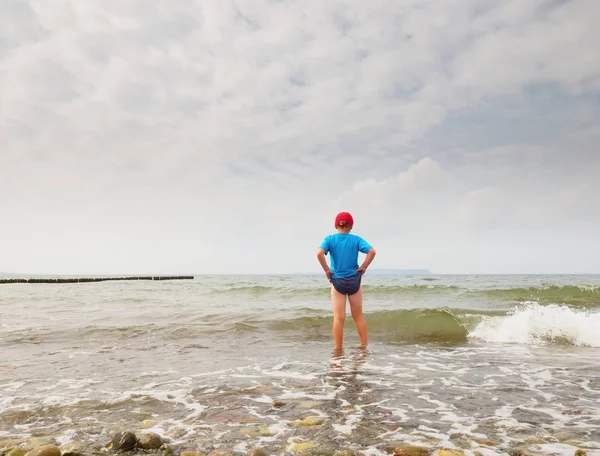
343 230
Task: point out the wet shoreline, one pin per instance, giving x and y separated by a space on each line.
361 403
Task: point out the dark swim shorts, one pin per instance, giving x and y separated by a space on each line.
347 285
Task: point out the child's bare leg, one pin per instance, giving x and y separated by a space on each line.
338 302
356 301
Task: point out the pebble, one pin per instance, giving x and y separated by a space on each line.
301 447
309 404
411 450
485 442
264 389
45 450
263 431
69 449
167 451
278 404
123 441
310 421
220 453
445 452
150 441
257 452
17 452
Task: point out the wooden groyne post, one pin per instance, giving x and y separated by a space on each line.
89 279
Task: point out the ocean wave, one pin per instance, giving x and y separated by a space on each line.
408 326
583 296
375 290
527 323
532 323
580 296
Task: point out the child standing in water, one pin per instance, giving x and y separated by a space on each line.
345 275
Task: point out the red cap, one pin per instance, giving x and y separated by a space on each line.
344 219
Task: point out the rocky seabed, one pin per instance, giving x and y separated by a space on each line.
148 443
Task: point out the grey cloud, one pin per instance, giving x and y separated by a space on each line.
449 116
19 26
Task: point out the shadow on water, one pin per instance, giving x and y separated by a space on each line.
345 365
355 417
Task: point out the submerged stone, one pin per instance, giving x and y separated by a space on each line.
301 447
263 431
11 443
167 451
191 453
344 453
44 450
411 450
309 404
278 404
16 417
257 452
518 452
17 452
321 451
485 442
123 441
70 450
220 453
150 441
445 452
309 421
580 453
264 389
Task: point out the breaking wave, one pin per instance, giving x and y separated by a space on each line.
532 323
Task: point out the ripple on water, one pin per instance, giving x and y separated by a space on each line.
466 398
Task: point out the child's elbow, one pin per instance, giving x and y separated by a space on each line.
320 253
372 251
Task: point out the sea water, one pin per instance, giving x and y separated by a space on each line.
484 364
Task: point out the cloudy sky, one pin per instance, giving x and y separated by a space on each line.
215 136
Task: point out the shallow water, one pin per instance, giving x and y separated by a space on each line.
487 364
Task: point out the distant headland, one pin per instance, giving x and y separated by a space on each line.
400 271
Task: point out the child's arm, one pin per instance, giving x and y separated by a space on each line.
370 255
323 262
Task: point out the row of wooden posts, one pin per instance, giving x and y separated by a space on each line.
90 279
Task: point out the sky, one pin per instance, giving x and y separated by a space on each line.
223 136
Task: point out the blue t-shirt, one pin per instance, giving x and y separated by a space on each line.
344 248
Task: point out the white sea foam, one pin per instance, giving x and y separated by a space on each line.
68 436
488 452
11 386
349 424
5 401
263 399
179 396
532 323
561 449
302 395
